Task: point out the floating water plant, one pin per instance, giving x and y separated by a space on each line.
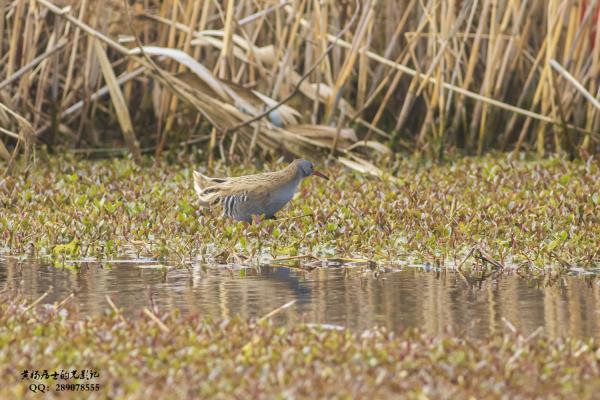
492 213
134 357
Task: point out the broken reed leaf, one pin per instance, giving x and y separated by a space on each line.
360 165
118 101
322 132
195 67
377 146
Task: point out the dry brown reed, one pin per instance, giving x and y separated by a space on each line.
419 76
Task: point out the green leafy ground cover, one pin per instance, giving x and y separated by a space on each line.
157 355
491 211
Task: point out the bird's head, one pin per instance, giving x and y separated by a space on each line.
306 169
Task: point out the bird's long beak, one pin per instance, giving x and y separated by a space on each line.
317 173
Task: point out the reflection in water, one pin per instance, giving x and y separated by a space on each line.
347 297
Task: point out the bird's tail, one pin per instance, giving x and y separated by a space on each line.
208 189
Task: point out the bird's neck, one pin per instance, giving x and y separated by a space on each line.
283 191
291 173
287 179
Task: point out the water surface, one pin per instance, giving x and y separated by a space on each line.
353 298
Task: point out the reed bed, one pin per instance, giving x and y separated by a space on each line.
238 80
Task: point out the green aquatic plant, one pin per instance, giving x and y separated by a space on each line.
232 358
484 213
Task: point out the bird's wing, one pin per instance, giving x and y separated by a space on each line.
242 191
202 181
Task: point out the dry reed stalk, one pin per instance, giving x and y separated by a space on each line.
457 73
2 23
3 150
24 136
392 41
168 102
545 93
290 36
225 60
411 94
15 37
522 97
571 79
122 79
403 58
119 103
346 69
494 50
185 41
363 63
59 46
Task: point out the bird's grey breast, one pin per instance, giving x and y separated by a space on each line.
281 196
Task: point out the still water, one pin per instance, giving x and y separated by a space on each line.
353 298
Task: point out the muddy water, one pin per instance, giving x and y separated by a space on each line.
355 298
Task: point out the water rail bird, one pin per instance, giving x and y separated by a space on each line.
248 196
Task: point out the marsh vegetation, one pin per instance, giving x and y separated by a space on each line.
496 214
201 357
